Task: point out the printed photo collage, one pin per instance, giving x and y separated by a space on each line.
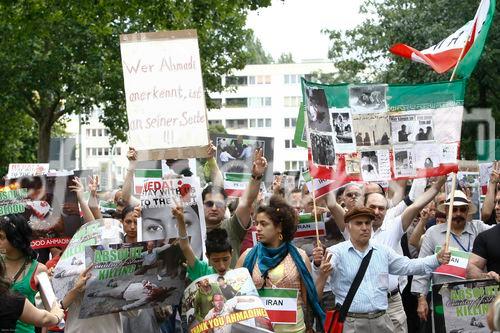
372 138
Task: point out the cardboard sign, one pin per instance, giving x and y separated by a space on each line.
164 94
17 170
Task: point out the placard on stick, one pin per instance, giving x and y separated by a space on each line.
164 94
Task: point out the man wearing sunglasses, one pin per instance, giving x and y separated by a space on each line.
463 234
214 206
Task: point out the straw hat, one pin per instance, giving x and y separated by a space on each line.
459 200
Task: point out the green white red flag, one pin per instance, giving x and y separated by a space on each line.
280 304
457 265
307 227
444 56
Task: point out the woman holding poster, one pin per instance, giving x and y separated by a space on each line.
277 267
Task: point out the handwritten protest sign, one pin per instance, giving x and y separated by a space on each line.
132 276
222 304
462 306
157 222
164 94
382 132
17 170
12 199
72 262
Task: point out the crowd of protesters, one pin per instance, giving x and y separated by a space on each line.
396 230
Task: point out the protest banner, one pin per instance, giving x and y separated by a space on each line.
164 94
462 306
157 221
17 170
382 132
12 199
225 304
235 159
132 276
72 262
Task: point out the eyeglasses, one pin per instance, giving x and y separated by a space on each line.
218 204
352 195
462 209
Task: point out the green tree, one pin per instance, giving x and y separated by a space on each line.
63 57
362 53
256 53
217 129
286 58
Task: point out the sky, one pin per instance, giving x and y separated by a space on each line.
295 25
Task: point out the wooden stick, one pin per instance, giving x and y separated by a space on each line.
461 53
315 214
450 212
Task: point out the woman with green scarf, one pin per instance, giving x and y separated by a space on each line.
275 263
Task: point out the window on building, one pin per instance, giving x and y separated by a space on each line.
287 165
118 150
260 122
99 151
236 80
106 151
292 101
89 151
292 78
290 144
290 122
263 79
294 122
94 151
268 122
252 123
236 123
94 132
287 122
236 102
259 102
215 122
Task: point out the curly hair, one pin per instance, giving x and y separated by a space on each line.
217 241
282 214
18 233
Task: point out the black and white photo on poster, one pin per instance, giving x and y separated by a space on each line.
343 131
353 164
404 128
404 161
323 151
318 117
449 153
157 221
371 129
368 98
375 165
425 128
132 276
427 156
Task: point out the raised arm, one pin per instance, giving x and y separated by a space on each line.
251 192
397 188
489 199
77 187
128 181
336 210
420 202
93 200
214 171
187 250
419 229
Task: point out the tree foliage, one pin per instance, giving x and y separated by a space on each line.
362 53
286 58
257 54
63 57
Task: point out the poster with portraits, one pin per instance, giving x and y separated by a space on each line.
157 222
72 262
380 132
225 304
132 276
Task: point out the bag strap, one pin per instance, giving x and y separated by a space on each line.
354 286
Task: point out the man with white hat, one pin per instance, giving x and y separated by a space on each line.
463 234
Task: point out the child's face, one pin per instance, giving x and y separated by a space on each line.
220 261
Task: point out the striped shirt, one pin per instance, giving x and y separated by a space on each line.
372 293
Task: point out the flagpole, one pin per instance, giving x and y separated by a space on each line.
450 212
315 214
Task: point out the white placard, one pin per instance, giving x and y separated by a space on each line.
17 170
164 94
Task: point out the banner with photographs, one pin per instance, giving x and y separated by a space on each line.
463 306
54 214
132 276
72 262
164 94
235 157
225 304
17 170
382 132
157 222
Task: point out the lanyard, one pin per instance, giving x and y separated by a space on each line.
463 248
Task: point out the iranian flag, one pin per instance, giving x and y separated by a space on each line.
307 226
444 56
144 175
280 304
321 186
457 265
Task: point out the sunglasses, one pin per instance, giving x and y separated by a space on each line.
352 195
462 209
218 204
